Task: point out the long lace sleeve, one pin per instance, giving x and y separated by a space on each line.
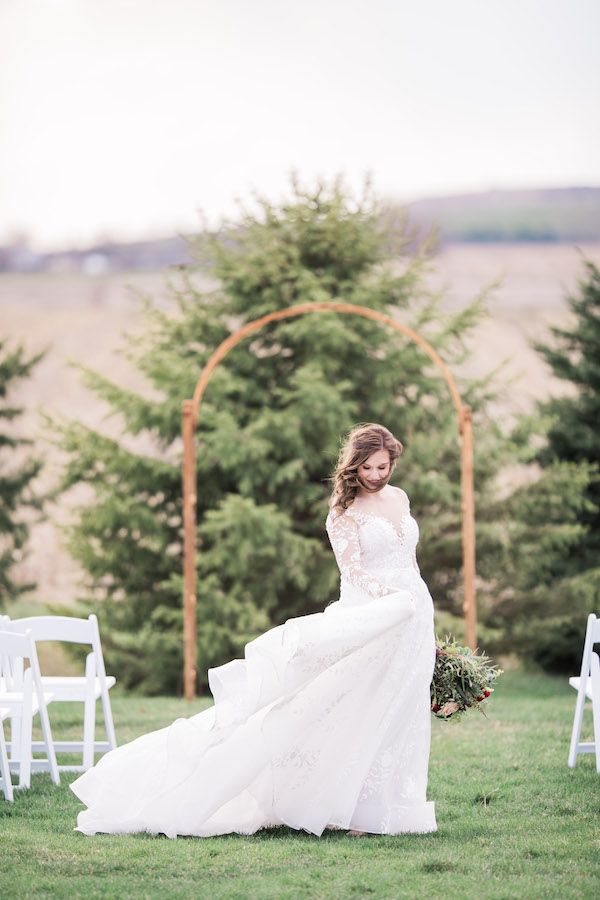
343 535
415 563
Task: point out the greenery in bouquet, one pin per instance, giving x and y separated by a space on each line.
462 679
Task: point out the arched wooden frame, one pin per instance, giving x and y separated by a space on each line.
191 410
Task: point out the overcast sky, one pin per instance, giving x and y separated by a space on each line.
125 117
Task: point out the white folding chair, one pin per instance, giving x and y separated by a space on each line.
5 779
22 696
86 689
587 685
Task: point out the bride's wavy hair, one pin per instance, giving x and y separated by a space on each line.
361 442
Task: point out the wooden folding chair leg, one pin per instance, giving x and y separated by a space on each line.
5 768
15 735
50 751
26 736
89 714
108 721
595 677
577 723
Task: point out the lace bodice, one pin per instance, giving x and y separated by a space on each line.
374 555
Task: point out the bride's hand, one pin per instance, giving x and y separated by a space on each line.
448 708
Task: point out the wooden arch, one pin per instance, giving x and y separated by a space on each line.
191 410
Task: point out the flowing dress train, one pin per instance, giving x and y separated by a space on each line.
324 723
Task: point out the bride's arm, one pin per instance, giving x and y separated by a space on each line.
415 563
343 534
406 506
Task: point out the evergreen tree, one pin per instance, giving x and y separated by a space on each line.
573 435
17 473
269 432
549 578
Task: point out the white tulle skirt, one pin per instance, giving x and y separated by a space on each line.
325 723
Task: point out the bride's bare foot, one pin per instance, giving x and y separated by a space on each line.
354 833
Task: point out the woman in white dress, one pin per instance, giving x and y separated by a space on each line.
326 722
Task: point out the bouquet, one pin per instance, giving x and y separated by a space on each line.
462 678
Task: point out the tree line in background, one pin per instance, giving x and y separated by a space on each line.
268 438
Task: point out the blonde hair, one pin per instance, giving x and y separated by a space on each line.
361 442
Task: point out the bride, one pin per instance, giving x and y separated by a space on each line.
326 722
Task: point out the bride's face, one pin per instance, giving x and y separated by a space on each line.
374 472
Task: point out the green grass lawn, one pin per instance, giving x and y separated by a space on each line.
513 821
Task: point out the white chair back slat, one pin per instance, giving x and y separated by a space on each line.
13 644
56 628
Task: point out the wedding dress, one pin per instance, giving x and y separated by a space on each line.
325 723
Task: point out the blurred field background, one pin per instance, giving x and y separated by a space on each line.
127 127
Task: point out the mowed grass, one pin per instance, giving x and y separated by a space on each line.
513 821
